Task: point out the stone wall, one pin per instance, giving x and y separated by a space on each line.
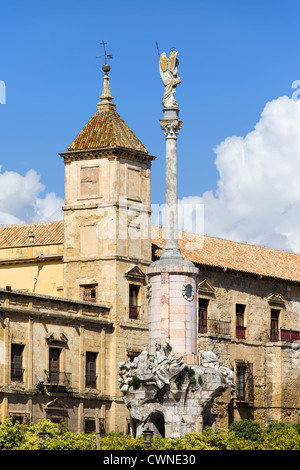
36 324
273 366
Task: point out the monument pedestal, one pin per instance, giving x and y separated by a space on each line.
165 387
173 306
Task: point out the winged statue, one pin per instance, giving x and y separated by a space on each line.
170 78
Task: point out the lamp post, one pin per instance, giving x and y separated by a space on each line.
148 436
43 436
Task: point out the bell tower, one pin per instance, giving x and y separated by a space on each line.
107 213
107 229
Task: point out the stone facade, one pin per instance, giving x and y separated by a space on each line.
45 345
107 230
97 260
260 349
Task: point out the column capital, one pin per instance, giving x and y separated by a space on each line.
171 127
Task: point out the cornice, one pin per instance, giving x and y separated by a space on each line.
107 152
32 259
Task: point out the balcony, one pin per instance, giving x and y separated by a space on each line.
16 374
57 381
134 311
91 381
288 336
217 327
240 332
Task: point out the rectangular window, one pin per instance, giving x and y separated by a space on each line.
274 324
90 370
134 307
17 362
90 426
89 292
133 183
244 382
241 382
89 182
202 315
22 418
54 354
240 321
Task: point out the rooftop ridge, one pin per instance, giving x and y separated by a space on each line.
187 232
202 250
158 227
32 223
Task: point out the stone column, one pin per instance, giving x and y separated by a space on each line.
173 280
171 126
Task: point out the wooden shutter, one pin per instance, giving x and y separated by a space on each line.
202 315
54 354
16 362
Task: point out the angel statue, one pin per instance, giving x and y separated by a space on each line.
170 78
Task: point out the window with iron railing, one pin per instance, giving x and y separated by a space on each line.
244 382
16 371
202 315
274 334
215 327
62 379
134 299
54 354
281 334
90 368
240 329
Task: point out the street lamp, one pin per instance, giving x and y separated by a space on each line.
148 436
43 436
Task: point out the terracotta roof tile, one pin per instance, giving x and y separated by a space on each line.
45 233
202 250
106 129
217 252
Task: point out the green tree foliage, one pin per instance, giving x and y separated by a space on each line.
243 435
296 426
11 435
276 425
247 429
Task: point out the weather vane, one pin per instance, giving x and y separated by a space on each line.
106 56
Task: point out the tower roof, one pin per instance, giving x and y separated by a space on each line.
106 128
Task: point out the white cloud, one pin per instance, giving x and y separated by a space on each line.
258 194
20 201
49 208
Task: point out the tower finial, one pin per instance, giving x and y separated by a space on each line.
106 96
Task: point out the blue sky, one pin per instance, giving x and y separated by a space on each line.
235 56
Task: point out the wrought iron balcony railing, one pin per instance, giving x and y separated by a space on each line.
16 374
134 311
219 327
58 378
284 335
91 381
